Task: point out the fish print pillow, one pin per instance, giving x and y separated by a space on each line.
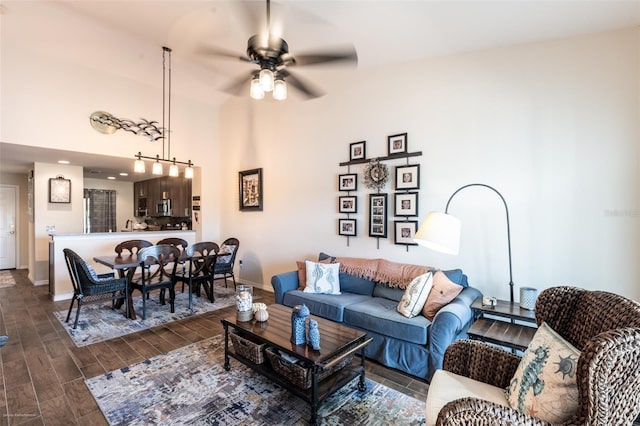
544 385
322 278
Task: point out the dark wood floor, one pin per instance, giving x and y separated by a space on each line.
42 372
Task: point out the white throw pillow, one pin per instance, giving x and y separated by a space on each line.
415 295
322 278
544 385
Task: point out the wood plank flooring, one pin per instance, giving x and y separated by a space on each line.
42 372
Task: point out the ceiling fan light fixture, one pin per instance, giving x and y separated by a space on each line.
266 79
279 90
138 165
256 89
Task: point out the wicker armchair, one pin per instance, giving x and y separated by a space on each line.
89 287
605 327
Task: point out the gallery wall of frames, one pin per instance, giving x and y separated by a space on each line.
374 176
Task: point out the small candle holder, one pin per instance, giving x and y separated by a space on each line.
244 303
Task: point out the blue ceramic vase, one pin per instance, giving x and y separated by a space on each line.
298 318
313 335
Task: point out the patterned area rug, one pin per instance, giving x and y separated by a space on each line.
189 386
6 279
99 322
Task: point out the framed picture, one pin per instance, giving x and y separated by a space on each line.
348 204
408 177
251 191
378 215
397 143
347 227
348 182
405 231
357 151
59 190
406 204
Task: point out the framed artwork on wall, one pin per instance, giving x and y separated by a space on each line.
347 227
397 143
378 215
405 204
408 177
59 190
251 191
348 204
357 151
405 231
348 182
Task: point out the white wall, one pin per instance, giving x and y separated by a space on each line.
553 126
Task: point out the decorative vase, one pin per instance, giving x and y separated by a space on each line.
298 318
313 335
261 315
244 303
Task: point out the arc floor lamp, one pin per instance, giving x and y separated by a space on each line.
441 231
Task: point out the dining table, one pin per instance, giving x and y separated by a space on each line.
122 265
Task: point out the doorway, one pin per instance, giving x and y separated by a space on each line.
8 248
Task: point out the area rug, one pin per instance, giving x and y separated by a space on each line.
99 322
6 279
190 386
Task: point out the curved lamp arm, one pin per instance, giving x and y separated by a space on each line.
441 232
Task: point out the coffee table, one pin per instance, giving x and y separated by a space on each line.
336 343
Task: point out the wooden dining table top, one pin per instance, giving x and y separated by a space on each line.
131 261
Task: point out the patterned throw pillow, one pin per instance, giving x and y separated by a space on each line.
302 272
444 291
226 249
415 295
322 278
544 385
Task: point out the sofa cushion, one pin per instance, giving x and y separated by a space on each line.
457 277
324 305
322 278
382 290
356 285
443 291
302 272
415 295
379 314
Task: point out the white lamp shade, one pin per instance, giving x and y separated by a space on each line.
280 90
188 172
174 171
157 168
138 166
440 232
256 91
266 79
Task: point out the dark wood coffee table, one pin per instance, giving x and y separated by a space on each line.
336 343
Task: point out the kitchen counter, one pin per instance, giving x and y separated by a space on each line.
95 244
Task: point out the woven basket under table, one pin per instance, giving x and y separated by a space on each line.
253 351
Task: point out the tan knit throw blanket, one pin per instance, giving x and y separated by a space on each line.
383 271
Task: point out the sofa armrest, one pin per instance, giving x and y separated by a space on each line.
283 283
451 320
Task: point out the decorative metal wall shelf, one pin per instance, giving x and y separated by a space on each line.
388 157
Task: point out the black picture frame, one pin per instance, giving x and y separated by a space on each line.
378 215
408 177
405 204
348 182
251 191
357 151
347 227
404 231
59 190
397 144
348 204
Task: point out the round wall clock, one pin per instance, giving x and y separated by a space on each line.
376 175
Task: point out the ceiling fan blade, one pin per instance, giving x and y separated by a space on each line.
240 85
309 90
221 53
346 55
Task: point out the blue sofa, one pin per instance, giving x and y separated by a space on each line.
413 345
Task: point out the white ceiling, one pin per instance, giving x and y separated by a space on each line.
383 32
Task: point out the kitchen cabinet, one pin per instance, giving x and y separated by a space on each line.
150 192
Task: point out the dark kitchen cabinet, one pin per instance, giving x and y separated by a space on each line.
148 193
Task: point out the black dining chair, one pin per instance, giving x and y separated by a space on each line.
201 258
152 260
90 287
224 264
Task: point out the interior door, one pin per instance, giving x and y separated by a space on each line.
7 227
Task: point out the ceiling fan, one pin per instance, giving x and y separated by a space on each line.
271 55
